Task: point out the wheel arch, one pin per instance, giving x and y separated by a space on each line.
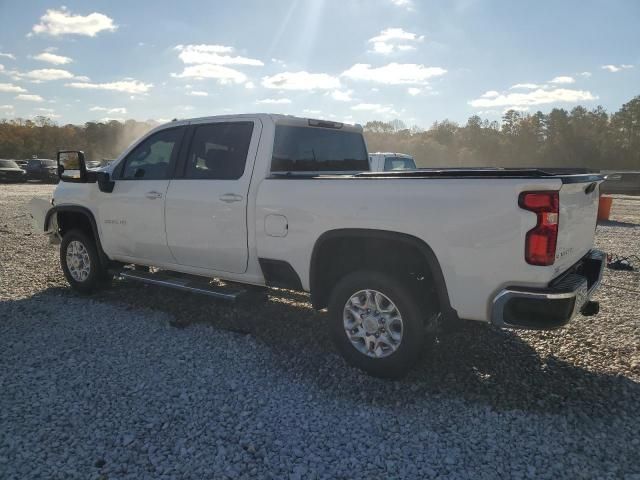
318 284
68 217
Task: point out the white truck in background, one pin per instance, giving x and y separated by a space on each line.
272 200
387 161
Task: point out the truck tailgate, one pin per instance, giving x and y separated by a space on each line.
577 222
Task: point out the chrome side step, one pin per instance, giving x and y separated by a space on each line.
179 281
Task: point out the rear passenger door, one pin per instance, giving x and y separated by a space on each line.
206 202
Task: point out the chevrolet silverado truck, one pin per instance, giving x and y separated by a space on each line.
279 201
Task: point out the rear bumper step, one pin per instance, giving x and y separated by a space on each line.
555 306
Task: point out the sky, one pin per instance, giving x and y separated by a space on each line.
346 60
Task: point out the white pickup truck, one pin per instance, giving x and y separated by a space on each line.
272 200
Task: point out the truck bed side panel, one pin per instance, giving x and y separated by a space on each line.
475 228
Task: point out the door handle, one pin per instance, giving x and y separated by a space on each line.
152 195
230 197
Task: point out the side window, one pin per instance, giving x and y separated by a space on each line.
150 160
219 151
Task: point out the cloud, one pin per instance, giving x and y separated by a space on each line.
562 80
121 110
534 97
6 107
213 54
525 86
47 112
393 73
342 95
47 74
408 4
306 110
127 86
301 81
490 94
413 91
390 40
585 74
30 98
8 55
53 58
274 101
516 108
224 75
11 88
62 22
211 61
198 93
616 68
111 119
375 108
249 85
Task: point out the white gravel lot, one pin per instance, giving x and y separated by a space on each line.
141 382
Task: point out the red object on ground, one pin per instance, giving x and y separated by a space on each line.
604 208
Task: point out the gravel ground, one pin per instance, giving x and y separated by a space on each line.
141 382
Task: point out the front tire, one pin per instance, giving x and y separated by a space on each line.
377 322
81 263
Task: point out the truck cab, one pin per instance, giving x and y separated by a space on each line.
387 162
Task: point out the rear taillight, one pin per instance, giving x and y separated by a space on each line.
540 242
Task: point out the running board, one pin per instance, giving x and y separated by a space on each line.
180 281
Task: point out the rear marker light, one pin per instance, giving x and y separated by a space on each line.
540 241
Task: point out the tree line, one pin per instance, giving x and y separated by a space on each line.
582 138
41 137
579 138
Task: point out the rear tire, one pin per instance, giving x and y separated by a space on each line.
81 262
377 322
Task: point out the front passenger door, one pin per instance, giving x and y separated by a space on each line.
132 216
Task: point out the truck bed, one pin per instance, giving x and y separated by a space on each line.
566 176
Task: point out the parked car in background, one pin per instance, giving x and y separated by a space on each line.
625 183
385 162
92 164
11 172
42 169
22 163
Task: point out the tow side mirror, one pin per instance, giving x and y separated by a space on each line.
71 166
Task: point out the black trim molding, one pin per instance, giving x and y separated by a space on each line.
279 273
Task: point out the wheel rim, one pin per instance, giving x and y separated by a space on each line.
373 323
78 261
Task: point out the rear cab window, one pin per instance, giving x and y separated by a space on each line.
399 163
317 149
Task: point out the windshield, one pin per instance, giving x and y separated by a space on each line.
399 163
309 149
8 164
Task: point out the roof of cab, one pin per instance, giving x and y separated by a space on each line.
392 154
279 119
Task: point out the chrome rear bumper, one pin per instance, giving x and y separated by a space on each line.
555 306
